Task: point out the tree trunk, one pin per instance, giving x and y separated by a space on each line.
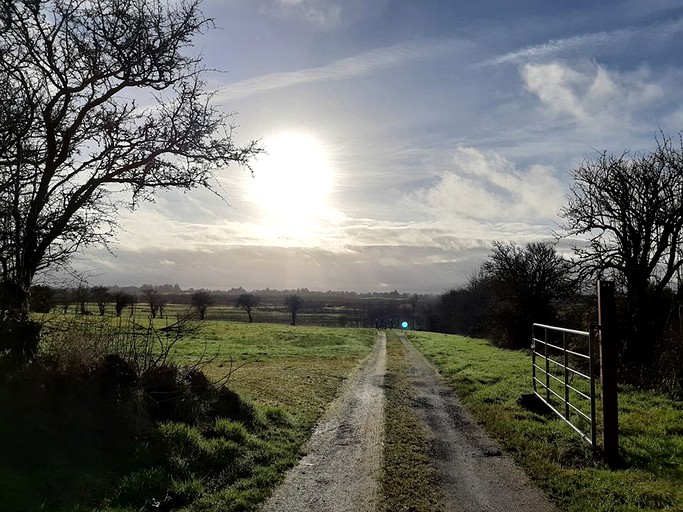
18 334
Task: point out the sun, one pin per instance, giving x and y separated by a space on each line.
292 184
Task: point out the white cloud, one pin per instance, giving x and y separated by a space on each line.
559 46
590 96
484 189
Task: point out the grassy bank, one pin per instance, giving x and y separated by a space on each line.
490 381
410 478
64 448
296 368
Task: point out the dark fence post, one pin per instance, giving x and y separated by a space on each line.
608 371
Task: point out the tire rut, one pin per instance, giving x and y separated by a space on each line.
476 475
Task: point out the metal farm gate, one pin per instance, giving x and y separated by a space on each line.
564 367
562 374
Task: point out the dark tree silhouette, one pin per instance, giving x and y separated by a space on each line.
74 143
414 299
101 296
465 310
65 298
629 210
201 300
294 303
43 298
154 299
248 302
121 300
526 284
82 293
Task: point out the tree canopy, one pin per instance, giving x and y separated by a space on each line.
247 302
625 214
75 145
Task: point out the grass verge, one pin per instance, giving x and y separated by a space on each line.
489 381
64 449
409 477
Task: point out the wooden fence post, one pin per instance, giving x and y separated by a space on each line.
608 371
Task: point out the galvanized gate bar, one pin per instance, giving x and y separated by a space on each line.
542 386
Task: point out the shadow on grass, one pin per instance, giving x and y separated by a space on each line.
63 446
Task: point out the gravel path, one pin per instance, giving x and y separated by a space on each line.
476 476
344 455
341 469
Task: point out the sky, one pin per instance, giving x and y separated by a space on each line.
402 138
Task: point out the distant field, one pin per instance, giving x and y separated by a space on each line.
298 368
490 380
313 313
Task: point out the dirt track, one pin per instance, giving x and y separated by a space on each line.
475 475
340 471
344 458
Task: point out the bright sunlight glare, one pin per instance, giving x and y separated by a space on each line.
292 184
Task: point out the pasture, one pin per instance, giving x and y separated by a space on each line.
64 456
67 453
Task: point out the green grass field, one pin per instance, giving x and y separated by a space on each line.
490 381
60 457
63 456
297 368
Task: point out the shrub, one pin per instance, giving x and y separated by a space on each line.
229 404
669 364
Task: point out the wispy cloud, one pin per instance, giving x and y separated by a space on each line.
591 42
362 64
320 13
557 46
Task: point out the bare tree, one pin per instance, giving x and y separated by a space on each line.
628 209
154 299
75 146
526 284
82 297
201 300
65 298
294 303
101 296
247 302
121 300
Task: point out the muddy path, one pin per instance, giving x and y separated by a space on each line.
344 455
343 464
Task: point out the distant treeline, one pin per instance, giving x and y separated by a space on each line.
520 285
327 308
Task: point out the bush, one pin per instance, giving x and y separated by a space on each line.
669 364
229 404
18 342
146 433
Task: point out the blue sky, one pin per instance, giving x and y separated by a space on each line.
403 137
